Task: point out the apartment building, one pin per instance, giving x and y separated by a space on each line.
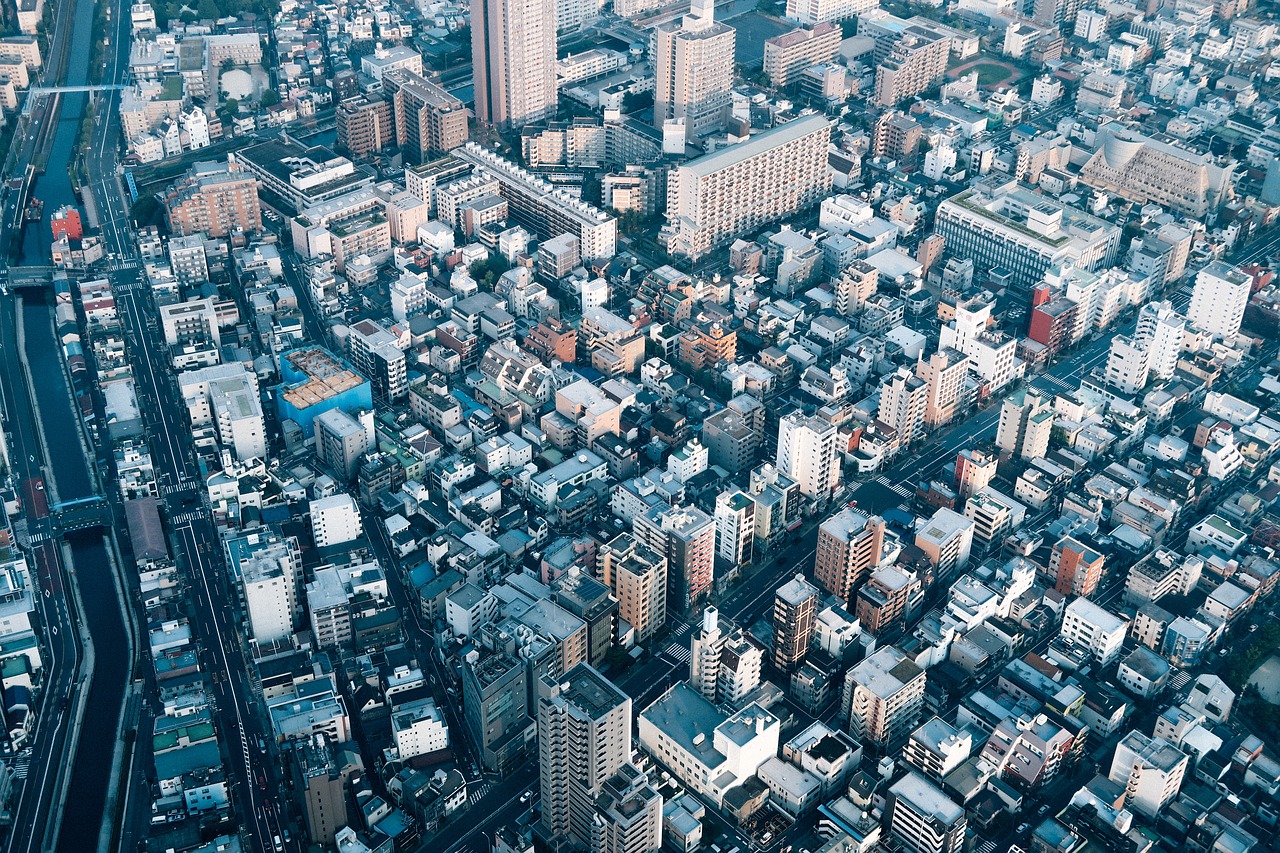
365 125
428 120
693 67
812 12
786 56
850 545
882 699
214 199
716 197
916 61
808 452
794 605
513 48
1218 299
637 575
1088 626
686 536
922 818
1026 422
888 600
1151 769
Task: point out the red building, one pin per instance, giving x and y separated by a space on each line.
65 222
1052 324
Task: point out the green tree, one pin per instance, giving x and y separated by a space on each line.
208 10
270 97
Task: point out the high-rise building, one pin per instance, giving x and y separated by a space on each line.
883 696
1159 332
693 67
495 704
888 600
1026 422
922 818
321 782
704 659
716 197
584 738
686 536
1127 370
268 567
975 469
947 541
215 199
855 286
1218 300
943 374
937 748
628 816
810 12
376 354
723 667
1100 632
428 120
789 54
994 517
849 547
365 125
904 398
917 60
340 442
809 453
638 577
513 49
794 606
735 528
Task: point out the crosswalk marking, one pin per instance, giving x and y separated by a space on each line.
187 517
476 793
1178 680
678 653
898 489
20 766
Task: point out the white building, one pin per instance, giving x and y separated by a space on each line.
335 520
1151 771
735 527
810 12
418 728
1218 300
1088 626
808 452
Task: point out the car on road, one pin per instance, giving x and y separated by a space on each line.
526 797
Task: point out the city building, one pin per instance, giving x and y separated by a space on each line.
1075 568
808 453
947 542
794 605
1218 299
513 49
495 708
584 738
335 520
716 197
1026 422
922 818
724 666
936 748
686 537
789 54
735 517
1098 631
365 126
888 600
428 120
341 441
1143 169
637 575
376 353
214 199
850 546
916 61
882 699
1151 769
693 67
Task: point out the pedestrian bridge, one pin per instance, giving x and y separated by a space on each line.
83 514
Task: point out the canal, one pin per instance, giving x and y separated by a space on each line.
92 771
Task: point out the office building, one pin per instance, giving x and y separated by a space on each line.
268 569
320 778
1146 170
811 12
693 67
495 691
340 442
716 197
809 453
882 699
731 439
428 120
850 546
788 55
994 516
542 208
709 752
686 536
637 574
236 412
916 61
794 605
975 469
365 126
1219 299
191 323
214 199
998 223
513 49
992 353
922 818
584 738
1151 769
1026 422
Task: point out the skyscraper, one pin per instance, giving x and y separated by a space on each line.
687 538
808 452
513 46
693 64
584 738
